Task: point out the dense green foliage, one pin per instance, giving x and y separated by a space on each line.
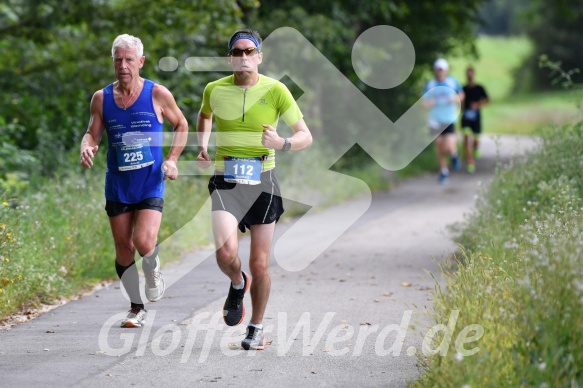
521 275
333 27
55 54
556 31
503 18
553 27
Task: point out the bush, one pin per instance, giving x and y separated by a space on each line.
521 274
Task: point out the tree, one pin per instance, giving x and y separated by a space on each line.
556 32
436 29
502 17
55 54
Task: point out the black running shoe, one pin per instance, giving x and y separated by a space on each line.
254 340
234 310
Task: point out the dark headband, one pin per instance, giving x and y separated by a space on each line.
244 35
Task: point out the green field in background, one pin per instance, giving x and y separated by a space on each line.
512 112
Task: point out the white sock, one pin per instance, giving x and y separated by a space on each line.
444 171
257 325
454 154
239 286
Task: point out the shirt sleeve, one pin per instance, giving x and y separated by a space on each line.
426 88
206 100
484 94
288 108
458 86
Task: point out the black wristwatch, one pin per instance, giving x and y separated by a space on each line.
286 145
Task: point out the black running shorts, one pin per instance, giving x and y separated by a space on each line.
474 125
116 208
449 129
250 204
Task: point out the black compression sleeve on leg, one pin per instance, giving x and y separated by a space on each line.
131 282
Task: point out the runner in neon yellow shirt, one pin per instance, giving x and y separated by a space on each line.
244 189
240 114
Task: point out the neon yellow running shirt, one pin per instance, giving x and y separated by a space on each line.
241 112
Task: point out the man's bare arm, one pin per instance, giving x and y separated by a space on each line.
172 113
204 126
95 129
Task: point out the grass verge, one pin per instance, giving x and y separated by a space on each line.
520 276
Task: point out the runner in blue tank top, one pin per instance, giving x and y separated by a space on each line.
134 157
132 112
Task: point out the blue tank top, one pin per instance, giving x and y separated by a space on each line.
134 158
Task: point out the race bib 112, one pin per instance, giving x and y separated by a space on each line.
243 170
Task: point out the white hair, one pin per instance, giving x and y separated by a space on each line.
127 41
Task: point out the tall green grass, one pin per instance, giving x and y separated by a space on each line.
524 114
520 275
59 239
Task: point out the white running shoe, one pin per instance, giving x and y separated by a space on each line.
154 284
136 318
254 339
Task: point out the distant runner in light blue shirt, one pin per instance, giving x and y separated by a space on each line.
444 111
442 95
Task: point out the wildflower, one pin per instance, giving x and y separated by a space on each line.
19 277
5 203
1 290
68 238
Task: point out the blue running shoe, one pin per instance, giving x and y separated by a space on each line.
455 162
442 178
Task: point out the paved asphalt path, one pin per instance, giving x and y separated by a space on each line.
354 317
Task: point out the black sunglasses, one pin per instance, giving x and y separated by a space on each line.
237 52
